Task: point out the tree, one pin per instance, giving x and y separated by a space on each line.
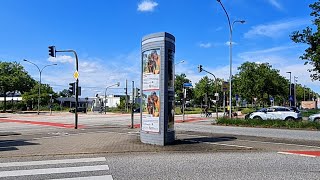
64 93
178 87
260 81
312 39
205 89
13 78
33 94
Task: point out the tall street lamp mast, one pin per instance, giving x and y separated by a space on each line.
105 95
40 72
230 43
290 89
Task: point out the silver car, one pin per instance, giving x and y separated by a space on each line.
276 113
314 118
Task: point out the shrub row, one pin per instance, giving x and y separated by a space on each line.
269 123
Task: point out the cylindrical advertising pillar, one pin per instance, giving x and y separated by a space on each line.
157 87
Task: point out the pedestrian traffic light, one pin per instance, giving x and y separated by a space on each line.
52 51
200 68
137 92
72 88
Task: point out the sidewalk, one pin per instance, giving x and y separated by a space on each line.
108 141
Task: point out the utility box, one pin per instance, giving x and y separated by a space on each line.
157 89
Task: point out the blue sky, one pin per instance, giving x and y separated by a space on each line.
107 37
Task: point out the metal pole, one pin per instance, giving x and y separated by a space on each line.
105 97
224 103
126 95
39 93
77 93
290 89
304 93
184 102
132 103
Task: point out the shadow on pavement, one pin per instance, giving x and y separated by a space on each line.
10 145
205 139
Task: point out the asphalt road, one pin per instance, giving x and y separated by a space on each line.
250 153
246 166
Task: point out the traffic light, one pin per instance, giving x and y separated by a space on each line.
137 92
52 51
72 88
200 68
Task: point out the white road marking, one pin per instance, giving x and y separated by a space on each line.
288 153
53 170
220 144
266 142
106 177
63 161
263 142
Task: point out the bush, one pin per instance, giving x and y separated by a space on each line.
269 123
247 110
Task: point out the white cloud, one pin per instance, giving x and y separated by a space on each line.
147 6
61 59
276 29
275 3
95 74
205 45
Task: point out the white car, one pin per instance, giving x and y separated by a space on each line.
276 113
314 118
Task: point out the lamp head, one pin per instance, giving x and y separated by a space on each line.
118 84
242 21
25 60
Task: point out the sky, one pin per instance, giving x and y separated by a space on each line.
107 38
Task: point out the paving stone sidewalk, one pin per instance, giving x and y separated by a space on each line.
96 142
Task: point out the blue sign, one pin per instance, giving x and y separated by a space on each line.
271 99
237 97
187 85
290 98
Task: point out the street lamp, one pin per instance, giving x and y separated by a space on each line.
105 95
230 43
40 72
290 89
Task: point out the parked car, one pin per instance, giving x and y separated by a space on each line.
314 118
275 113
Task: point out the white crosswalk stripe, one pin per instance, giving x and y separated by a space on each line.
57 170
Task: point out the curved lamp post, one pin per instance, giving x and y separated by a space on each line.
40 72
230 43
105 95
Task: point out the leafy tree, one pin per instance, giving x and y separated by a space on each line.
260 81
205 90
178 87
312 39
33 94
13 78
64 93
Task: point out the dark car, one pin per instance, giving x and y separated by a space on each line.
137 110
80 109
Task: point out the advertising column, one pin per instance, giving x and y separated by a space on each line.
157 87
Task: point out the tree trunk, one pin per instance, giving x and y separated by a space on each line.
5 102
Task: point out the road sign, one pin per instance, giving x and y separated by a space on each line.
237 97
187 85
76 75
290 98
255 99
216 94
225 86
271 99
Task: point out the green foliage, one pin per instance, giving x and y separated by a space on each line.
178 87
269 123
14 78
260 81
247 110
31 97
311 39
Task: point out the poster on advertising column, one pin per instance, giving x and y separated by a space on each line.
151 90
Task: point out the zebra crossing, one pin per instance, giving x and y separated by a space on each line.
64 169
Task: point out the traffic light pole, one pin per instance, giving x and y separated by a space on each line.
215 79
77 85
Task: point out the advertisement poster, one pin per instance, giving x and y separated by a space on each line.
151 94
